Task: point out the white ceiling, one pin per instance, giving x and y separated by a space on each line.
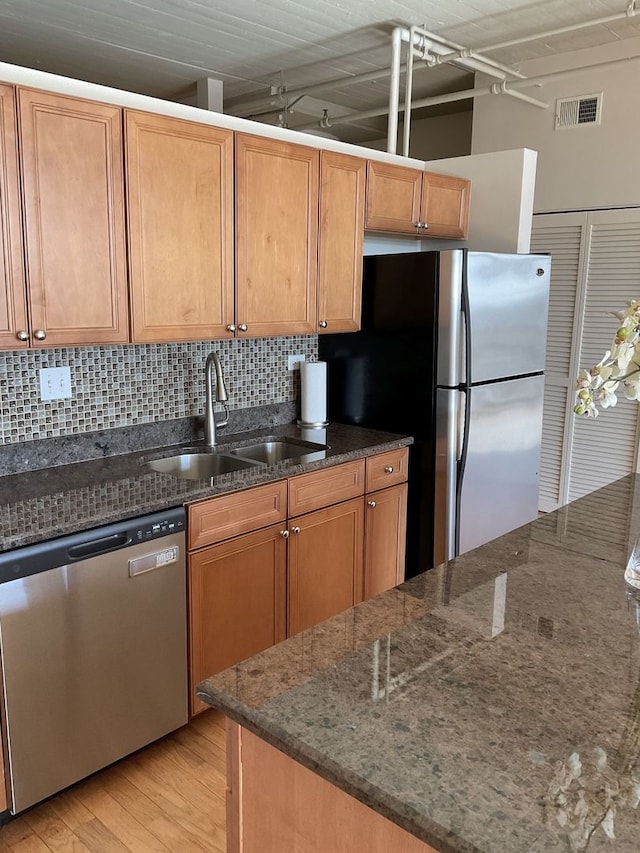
162 47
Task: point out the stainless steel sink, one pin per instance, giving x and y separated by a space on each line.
271 452
199 466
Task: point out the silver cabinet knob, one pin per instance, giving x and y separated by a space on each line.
284 534
421 226
371 504
295 530
231 327
323 324
22 335
242 327
39 334
388 469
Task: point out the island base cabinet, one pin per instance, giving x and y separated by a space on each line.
275 804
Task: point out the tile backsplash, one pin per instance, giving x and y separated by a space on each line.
116 386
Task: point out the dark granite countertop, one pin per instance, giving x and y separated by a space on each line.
491 705
53 501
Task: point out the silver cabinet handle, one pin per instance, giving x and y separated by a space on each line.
231 327
284 534
371 504
242 327
421 226
323 324
295 530
388 469
22 335
39 334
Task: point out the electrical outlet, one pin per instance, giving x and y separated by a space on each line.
293 361
55 383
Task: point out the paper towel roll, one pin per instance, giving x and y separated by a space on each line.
313 389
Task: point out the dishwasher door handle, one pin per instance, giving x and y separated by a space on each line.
95 547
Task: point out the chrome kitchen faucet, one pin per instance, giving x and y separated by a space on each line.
221 396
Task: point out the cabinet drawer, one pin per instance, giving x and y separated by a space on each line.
230 515
323 488
387 469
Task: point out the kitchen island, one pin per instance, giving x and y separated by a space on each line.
490 705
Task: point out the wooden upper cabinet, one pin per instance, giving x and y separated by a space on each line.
413 202
73 194
342 199
393 197
445 205
180 223
13 309
276 237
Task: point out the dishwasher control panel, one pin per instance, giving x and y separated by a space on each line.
154 529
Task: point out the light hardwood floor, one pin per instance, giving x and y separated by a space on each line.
166 798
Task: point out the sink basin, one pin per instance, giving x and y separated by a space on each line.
270 452
199 466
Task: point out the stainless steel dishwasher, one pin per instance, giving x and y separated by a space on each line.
93 638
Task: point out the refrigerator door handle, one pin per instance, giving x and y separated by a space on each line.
461 426
451 439
464 411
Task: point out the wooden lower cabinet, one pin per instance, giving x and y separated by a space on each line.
237 602
325 563
275 804
385 542
268 562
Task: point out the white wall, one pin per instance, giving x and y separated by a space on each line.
578 168
502 185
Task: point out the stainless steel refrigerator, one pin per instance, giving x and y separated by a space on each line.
452 352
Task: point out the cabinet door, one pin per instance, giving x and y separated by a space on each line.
74 219
13 309
384 539
325 563
393 197
445 205
237 602
342 194
276 237
180 222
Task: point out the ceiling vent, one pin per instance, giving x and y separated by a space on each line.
575 112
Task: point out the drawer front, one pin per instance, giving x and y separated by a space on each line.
323 488
230 515
387 469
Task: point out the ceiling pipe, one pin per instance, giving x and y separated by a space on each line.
424 41
630 12
470 54
505 88
394 89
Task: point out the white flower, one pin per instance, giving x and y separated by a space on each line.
597 386
606 395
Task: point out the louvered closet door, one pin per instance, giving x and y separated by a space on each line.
595 269
561 236
604 449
